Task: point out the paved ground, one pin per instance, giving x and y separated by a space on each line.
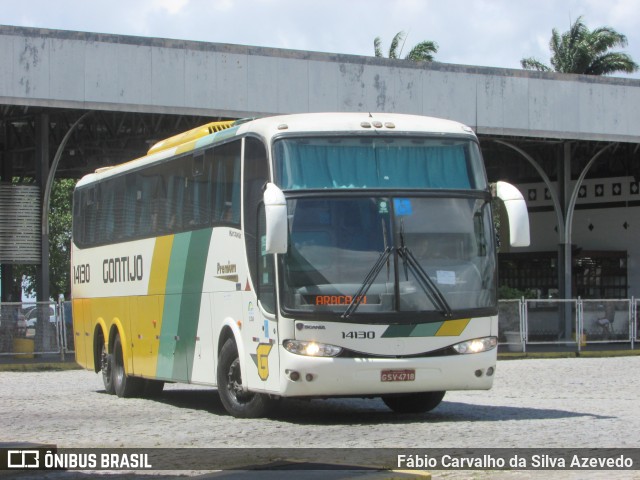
541 403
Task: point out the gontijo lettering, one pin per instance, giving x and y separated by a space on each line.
122 269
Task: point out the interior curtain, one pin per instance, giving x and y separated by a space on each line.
377 166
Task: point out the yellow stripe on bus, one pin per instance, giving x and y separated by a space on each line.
160 265
185 147
146 311
453 328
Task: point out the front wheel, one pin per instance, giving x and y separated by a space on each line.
413 402
235 400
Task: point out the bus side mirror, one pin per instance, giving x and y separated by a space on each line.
516 211
275 207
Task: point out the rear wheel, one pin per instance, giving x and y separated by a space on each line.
124 385
234 399
106 364
413 402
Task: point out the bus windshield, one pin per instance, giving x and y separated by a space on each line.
388 244
381 162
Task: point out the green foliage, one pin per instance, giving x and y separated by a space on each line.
422 52
60 237
508 293
583 51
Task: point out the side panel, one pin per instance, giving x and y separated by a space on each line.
147 311
224 279
203 368
181 313
168 297
79 332
260 337
146 320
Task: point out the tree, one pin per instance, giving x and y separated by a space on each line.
583 51
422 52
60 238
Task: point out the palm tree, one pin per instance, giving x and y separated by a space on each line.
585 51
422 52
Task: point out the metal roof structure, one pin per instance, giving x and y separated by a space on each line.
140 90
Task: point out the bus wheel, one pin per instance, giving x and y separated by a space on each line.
413 402
106 364
124 385
236 401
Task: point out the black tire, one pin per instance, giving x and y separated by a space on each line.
124 385
106 366
237 402
413 402
153 388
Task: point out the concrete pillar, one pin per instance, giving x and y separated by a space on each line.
42 172
6 270
565 271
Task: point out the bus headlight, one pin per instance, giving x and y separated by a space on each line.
477 345
311 349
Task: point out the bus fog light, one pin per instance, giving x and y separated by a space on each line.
309 377
311 349
490 371
294 376
477 345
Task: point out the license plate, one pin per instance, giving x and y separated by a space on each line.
408 375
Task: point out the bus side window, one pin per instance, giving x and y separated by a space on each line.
256 175
105 212
227 183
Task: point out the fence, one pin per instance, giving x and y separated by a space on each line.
35 328
28 329
575 322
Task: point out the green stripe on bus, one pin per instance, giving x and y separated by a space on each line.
395 331
426 329
420 330
172 304
191 300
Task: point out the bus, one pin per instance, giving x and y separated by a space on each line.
300 256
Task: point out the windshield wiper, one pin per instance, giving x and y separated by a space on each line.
428 286
356 300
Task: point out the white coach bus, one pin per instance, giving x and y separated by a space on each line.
311 255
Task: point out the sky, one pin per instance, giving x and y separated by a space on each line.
493 33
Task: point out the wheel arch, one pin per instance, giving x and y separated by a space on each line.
118 330
99 337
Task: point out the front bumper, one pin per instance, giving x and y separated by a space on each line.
320 377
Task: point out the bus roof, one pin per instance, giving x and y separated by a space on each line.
268 127
353 122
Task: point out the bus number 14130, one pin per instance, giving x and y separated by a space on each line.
360 335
